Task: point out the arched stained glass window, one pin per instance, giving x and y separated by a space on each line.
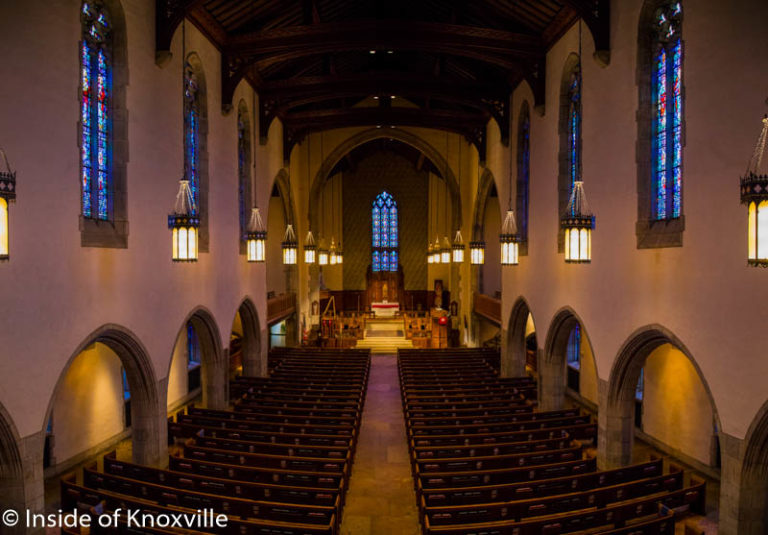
574 128
192 133
95 111
243 169
667 111
523 172
384 233
573 349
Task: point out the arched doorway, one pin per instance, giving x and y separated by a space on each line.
107 387
246 341
199 365
678 411
568 365
520 351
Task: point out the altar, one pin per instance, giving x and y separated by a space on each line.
385 309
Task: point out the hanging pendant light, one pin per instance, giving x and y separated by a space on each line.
436 250
477 252
184 224
458 248
7 195
578 223
339 254
754 194
509 240
256 237
290 246
309 249
322 254
445 251
332 252
430 257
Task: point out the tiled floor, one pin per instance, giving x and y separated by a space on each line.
381 499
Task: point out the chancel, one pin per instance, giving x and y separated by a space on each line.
440 267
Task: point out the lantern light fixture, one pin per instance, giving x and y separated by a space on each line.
436 250
445 251
7 195
578 223
509 240
477 252
310 249
339 255
322 254
290 246
458 248
333 259
430 257
754 194
256 237
184 224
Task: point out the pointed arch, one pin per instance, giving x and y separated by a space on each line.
432 153
753 488
12 483
616 419
254 362
148 421
515 354
213 358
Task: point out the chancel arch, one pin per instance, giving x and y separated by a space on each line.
199 365
568 363
430 151
678 412
110 378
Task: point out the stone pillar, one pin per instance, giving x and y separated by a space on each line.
551 384
31 494
732 459
263 370
149 429
615 431
216 382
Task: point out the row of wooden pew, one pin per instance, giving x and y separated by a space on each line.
486 462
278 463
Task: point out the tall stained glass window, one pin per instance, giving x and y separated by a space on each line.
523 172
573 349
192 133
95 111
384 237
242 172
574 128
667 112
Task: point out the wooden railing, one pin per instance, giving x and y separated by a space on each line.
488 307
280 307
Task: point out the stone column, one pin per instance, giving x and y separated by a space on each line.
731 500
31 495
216 382
615 431
551 384
149 429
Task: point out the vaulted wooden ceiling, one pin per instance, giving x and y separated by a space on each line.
320 64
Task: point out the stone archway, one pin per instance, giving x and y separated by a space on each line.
148 422
254 360
552 367
616 421
214 359
747 496
13 486
514 350
433 154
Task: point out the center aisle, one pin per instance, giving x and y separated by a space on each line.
381 499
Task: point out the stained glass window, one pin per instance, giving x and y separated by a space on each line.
242 173
384 233
95 111
667 112
574 128
192 134
523 173
573 349
193 348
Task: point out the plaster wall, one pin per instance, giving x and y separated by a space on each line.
139 288
178 376
703 292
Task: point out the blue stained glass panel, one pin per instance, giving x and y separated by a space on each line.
393 261
376 261
86 155
384 233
